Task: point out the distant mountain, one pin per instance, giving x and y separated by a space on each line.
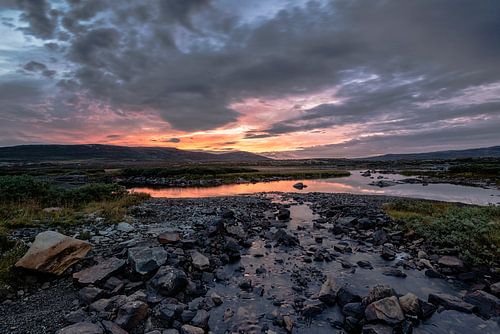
486 152
39 153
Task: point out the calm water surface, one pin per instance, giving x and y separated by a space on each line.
354 184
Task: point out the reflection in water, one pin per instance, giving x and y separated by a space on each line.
354 184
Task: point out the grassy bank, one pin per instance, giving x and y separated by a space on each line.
473 231
26 201
230 174
484 171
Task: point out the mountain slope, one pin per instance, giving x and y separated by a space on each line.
38 153
485 152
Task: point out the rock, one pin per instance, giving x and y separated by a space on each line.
169 281
495 289
245 284
328 292
452 262
410 304
200 261
201 319
113 328
378 292
81 328
433 273
312 308
487 304
288 323
379 237
131 314
394 272
169 238
75 316
100 271
299 185
53 253
377 329
347 295
385 310
450 302
89 294
145 260
169 312
365 264
188 329
283 214
356 310
216 299
388 254
284 238
124 227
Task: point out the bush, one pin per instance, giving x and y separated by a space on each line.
24 188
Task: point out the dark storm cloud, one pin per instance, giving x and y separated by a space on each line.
190 60
34 66
42 19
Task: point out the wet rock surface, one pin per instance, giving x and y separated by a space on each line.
288 263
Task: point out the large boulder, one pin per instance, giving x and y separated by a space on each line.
53 253
145 260
99 272
81 328
385 310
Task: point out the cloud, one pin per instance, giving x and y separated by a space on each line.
41 18
390 64
168 140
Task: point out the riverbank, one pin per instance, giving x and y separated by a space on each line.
290 263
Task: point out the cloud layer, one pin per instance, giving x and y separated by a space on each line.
306 78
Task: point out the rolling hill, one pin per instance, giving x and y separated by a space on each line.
42 153
485 152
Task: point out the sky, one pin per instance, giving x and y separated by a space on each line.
283 78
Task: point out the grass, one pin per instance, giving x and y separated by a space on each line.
26 201
474 231
229 174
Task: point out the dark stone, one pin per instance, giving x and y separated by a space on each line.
146 260
201 319
356 310
365 264
487 304
394 272
347 295
385 310
131 314
169 281
388 254
450 302
89 294
100 271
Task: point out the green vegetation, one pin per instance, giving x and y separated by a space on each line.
26 201
487 170
187 171
231 174
473 230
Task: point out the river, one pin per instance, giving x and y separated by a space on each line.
353 184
